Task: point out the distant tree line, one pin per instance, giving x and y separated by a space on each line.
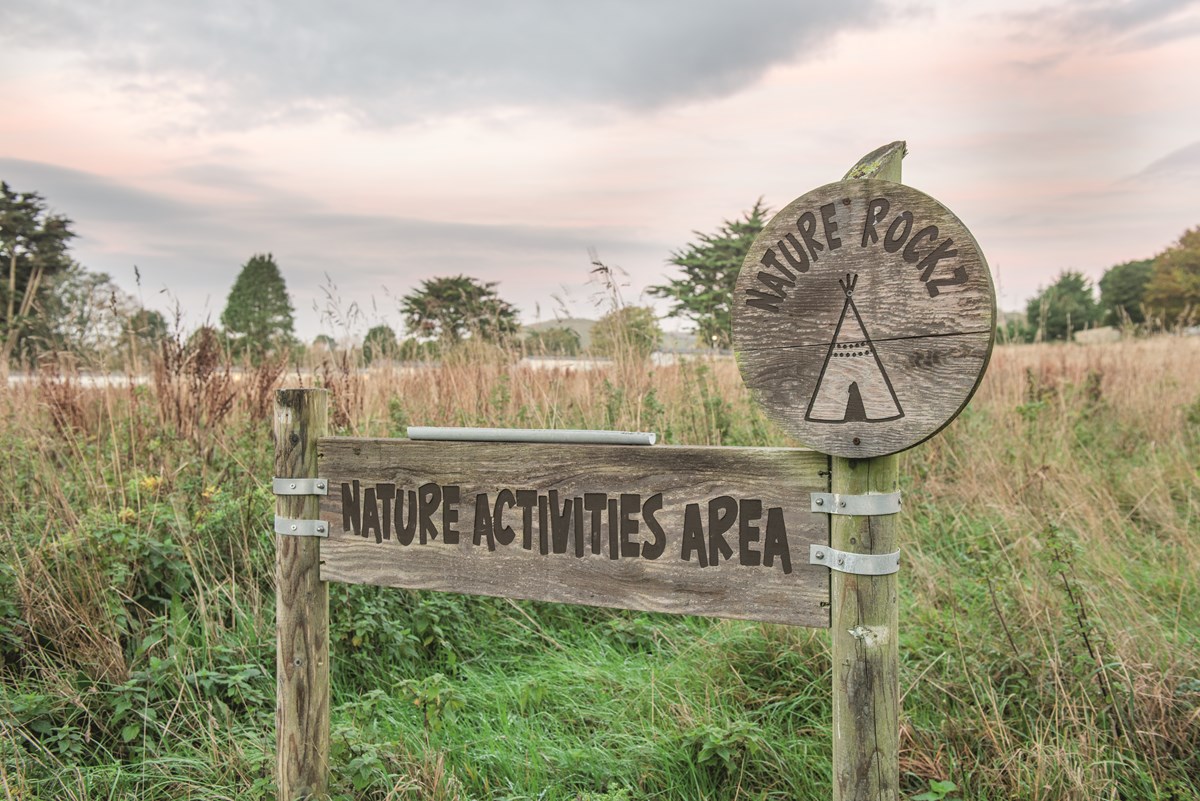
1158 293
50 304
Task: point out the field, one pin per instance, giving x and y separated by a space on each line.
1050 618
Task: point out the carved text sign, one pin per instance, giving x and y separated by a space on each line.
863 318
707 531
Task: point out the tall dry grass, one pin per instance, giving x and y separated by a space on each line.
1064 508
1050 618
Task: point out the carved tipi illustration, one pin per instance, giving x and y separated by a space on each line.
853 386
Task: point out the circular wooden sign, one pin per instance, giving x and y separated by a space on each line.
863 318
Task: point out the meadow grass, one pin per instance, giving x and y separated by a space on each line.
1050 619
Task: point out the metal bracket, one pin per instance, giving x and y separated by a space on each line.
858 564
293 527
300 486
857 505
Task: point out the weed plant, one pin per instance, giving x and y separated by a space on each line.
1050 619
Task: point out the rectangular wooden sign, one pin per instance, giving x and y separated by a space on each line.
723 532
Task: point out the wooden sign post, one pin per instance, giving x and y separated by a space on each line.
301 601
863 321
864 317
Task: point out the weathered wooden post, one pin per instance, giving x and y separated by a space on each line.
865 613
861 374
301 598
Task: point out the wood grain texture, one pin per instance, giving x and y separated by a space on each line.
872 284
865 632
301 607
865 616
766 487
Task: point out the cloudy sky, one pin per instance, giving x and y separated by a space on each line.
370 145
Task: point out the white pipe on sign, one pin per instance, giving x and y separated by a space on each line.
565 436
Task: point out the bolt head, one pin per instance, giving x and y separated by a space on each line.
292 485
820 554
293 527
820 501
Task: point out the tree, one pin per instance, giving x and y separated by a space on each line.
1174 288
379 343
554 341
258 314
1064 307
33 252
143 330
629 330
1122 291
82 313
456 307
414 350
146 324
710 269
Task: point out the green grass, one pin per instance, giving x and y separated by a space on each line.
1050 623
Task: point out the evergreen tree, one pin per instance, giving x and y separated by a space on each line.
710 269
379 343
629 330
33 253
258 315
1123 289
455 307
1174 289
1064 307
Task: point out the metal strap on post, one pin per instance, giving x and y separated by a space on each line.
294 527
300 486
858 564
869 505
883 503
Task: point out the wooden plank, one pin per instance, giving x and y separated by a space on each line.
723 532
863 318
301 607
